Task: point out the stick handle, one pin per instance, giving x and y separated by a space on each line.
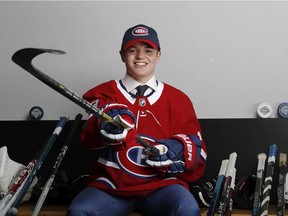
227 184
218 188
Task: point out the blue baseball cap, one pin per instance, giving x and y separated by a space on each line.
140 33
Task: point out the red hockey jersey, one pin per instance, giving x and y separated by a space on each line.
164 112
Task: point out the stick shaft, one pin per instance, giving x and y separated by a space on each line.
259 182
281 184
268 180
229 199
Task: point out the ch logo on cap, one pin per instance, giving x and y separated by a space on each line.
140 31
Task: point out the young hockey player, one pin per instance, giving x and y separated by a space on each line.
126 177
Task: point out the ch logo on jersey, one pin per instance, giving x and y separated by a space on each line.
133 162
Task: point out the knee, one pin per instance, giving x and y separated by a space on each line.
75 213
190 208
195 212
76 210
187 210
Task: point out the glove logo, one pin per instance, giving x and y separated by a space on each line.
189 143
132 161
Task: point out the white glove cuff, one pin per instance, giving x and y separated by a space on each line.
115 137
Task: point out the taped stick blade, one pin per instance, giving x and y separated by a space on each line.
23 57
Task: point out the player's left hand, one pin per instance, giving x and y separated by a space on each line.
170 160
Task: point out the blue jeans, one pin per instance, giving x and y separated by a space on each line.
173 200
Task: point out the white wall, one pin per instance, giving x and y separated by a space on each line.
227 56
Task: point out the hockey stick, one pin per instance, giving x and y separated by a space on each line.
12 208
218 188
286 188
24 58
229 202
259 182
281 187
224 200
56 166
268 180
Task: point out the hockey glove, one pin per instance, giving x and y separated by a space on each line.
116 135
170 161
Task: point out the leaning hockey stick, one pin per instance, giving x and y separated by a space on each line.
24 57
12 209
229 199
224 200
218 188
229 202
268 180
281 186
259 182
56 166
286 188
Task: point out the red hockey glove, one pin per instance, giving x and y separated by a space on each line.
114 135
171 159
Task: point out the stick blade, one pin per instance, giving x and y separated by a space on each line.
23 57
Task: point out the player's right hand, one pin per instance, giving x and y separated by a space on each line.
171 160
117 135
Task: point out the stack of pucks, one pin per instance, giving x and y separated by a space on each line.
264 110
283 110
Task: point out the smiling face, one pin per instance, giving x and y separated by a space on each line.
140 61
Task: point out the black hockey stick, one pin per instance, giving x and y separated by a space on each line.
281 186
286 188
24 58
57 164
214 203
224 200
259 182
13 210
267 187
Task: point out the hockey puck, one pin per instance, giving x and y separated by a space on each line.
283 110
36 113
264 110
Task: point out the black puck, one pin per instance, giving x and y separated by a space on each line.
283 110
36 113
